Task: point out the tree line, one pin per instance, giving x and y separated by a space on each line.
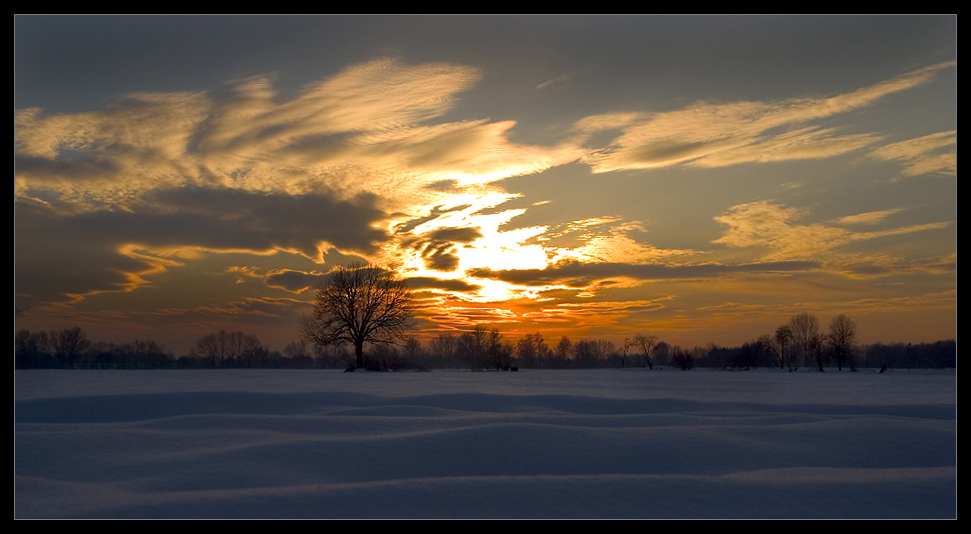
479 349
71 349
363 306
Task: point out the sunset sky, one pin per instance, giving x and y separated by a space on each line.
701 178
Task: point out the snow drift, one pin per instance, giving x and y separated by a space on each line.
534 444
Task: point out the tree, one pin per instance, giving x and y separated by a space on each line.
444 348
646 343
591 353
783 335
230 349
531 350
625 349
359 303
69 345
842 332
805 331
682 359
562 352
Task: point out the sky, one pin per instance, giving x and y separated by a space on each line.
699 178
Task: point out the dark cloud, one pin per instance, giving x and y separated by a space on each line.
437 212
438 246
233 218
424 282
54 259
58 253
294 281
456 235
72 166
576 274
298 281
440 259
443 185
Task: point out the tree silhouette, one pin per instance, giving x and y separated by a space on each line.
842 332
625 349
69 345
682 358
359 303
783 336
805 332
646 343
229 349
444 348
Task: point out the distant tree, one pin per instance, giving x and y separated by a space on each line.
444 348
359 303
563 352
662 353
591 353
751 354
414 354
231 349
484 349
842 333
682 359
33 350
783 336
816 352
70 345
207 348
531 350
625 349
646 343
805 331
296 355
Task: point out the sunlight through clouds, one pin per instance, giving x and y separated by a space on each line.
620 181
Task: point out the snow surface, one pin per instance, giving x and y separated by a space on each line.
617 443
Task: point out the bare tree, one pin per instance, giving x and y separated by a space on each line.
530 349
360 303
484 348
229 349
805 330
842 332
591 353
625 349
646 343
69 345
682 358
562 352
444 348
783 336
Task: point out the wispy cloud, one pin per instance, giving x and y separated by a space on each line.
366 128
870 217
931 154
719 134
774 228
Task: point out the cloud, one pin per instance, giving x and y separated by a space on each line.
559 80
577 275
64 252
367 128
931 154
720 134
437 247
425 282
616 247
772 227
871 217
293 281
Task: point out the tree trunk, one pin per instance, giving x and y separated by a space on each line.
359 353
